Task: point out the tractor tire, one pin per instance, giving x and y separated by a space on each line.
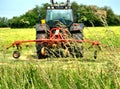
41 32
39 48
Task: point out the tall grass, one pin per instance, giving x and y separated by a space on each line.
107 36
66 73
104 35
59 75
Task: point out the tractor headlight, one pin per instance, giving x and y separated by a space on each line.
52 7
48 7
66 7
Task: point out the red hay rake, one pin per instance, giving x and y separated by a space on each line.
57 36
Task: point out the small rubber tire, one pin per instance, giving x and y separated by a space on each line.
16 54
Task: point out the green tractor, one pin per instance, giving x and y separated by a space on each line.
58 35
58 27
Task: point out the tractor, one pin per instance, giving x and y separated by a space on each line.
58 35
60 23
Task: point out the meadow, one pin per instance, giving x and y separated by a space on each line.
28 72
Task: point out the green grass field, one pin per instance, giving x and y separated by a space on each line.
64 73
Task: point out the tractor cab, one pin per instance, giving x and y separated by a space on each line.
59 12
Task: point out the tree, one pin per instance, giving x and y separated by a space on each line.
89 15
3 22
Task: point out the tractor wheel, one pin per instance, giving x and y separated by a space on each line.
41 51
16 54
40 47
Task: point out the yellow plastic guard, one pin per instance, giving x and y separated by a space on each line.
43 21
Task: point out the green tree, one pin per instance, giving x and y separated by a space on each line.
89 15
3 22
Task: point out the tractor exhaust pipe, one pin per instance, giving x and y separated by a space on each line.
68 2
52 2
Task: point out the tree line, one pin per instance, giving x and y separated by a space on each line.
89 15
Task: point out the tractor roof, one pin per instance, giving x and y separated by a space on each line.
59 6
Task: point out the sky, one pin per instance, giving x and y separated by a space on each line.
10 8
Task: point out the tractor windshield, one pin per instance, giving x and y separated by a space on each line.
65 15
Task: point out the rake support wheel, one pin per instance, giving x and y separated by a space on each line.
16 54
95 54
